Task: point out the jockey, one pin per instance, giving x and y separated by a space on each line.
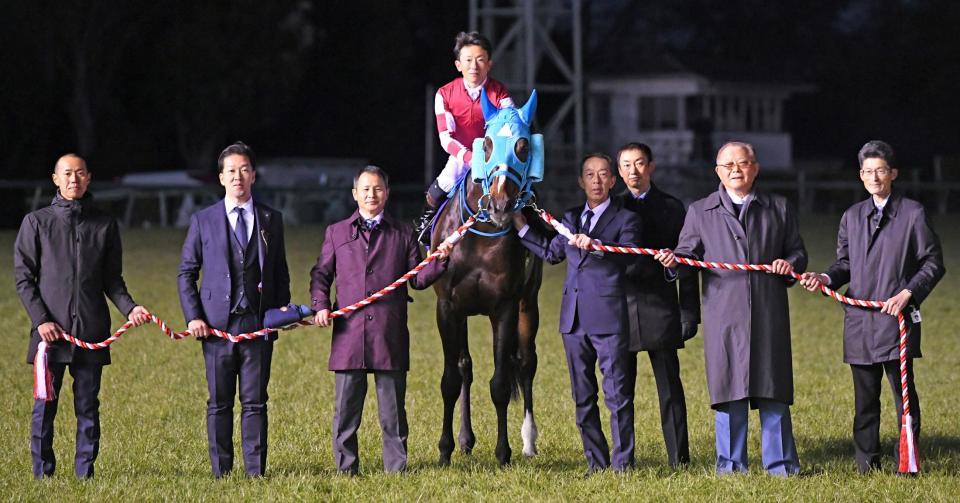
459 117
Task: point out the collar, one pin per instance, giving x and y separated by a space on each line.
473 92
641 196
890 207
229 204
600 208
377 218
735 199
716 199
881 204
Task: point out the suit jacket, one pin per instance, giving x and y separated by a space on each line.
206 248
361 263
746 316
903 253
654 310
67 256
593 292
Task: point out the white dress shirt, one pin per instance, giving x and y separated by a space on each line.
248 216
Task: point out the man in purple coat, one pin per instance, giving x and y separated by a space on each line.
593 310
886 249
362 254
746 341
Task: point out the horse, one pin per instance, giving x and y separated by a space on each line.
491 274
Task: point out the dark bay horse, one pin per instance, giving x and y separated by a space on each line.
492 274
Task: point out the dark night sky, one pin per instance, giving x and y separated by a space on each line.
165 85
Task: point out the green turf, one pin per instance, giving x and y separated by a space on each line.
153 408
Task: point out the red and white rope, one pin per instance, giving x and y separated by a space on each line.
43 388
909 457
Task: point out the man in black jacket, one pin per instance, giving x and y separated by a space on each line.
659 320
67 256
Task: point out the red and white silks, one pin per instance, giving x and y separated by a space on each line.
43 382
909 457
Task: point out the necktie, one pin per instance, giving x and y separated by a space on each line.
369 224
240 230
875 219
587 217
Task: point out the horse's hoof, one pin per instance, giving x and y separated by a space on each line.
444 460
530 453
467 444
504 457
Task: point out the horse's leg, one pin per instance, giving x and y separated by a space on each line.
504 380
452 328
527 354
465 364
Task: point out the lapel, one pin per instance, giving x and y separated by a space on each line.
262 225
606 217
223 237
861 232
889 215
719 201
573 223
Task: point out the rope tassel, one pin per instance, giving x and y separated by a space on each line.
909 455
42 378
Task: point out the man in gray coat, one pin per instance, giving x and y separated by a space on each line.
746 316
67 257
886 250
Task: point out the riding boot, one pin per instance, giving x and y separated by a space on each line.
435 196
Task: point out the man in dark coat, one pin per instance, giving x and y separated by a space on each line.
659 320
362 254
746 316
886 250
593 310
67 256
238 245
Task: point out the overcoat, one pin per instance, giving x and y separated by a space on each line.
654 308
361 263
67 256
904 252
593 292
746 316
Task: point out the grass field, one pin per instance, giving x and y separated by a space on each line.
153 408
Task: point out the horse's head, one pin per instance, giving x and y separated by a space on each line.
507 160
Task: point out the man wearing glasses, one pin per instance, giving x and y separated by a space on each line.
886 249
746 316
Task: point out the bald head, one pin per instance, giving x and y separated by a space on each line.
71 176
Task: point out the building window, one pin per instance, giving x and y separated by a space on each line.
658 112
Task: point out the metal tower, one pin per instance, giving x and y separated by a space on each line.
538 45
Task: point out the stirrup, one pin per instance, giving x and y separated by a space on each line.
422 225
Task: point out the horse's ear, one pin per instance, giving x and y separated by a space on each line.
489 109
529 108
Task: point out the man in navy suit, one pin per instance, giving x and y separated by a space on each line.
238 244
593 310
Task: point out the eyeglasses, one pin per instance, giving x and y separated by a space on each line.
881 172
741 165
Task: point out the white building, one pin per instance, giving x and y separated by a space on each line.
685 117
